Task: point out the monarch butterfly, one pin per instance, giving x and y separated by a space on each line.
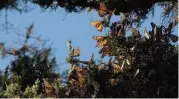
106 19
98 24
81 81
103 10
102 43
14 52
135 33
105 50
99 38
78 69
117 68
76 52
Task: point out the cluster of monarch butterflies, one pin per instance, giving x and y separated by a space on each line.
77 79
103 12
107 48
77 74
104 42
157 33
114 66
117 29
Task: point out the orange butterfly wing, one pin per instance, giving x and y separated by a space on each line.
135 33
103 10
14 52
117 68
102 43
99 38
105 50
76 52
98 25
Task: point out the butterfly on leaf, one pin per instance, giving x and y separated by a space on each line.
103 10
99 38
98 25
117 68
81 76
78 69
81 82
106 50
135 33
76 52
102 43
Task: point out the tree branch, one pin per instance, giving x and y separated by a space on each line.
120 5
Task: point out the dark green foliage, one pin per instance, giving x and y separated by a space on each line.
32 68
152 70
135 10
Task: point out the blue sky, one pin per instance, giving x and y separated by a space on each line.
58 27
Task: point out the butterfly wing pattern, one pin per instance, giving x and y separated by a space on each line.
103 10
98 25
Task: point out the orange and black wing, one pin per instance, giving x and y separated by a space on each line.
98 24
